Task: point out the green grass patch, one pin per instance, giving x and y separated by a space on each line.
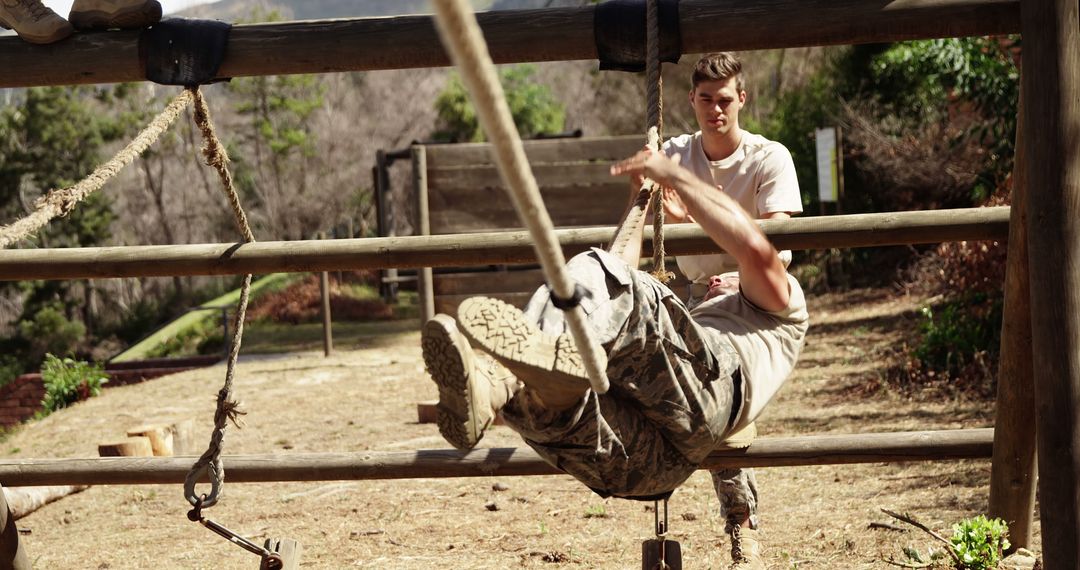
185 334
272 338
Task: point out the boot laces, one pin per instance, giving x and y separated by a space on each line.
736 544
36 8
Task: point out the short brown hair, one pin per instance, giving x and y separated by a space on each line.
718 67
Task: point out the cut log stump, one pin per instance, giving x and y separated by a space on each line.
130 447
183 437
289 551
160 436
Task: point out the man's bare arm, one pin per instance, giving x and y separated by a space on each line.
764 279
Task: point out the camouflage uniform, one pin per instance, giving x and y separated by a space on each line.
672 386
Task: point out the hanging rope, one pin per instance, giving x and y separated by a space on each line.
654 125
228 410
461 34
62 201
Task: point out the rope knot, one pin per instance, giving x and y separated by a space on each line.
228 409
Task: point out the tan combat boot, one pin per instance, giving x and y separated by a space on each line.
109 14
471 389
549 365
746 549
33 21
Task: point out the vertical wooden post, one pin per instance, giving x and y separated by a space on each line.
384 222
1012 479
839 170
12 555
1051 57
327 325
424 288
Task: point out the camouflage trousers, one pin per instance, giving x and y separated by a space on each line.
670 401
736 489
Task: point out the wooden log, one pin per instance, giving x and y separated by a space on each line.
424 281
183 437
553 34
324 308
12 553
437 463
813 232
160 436
1051 85
25 500
130 447
1012 477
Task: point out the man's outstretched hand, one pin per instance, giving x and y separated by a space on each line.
661 169
651 164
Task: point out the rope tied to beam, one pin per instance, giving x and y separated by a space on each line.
654 125
461 35
60 202
228 410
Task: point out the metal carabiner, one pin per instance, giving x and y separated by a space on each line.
270 560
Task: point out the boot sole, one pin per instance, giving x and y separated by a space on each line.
740 439
533 357
63 33
456 414
141 17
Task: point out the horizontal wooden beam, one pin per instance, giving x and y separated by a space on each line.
551 34
463 250
440 463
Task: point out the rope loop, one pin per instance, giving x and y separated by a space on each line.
228 410
212 469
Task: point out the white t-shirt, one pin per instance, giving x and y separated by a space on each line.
768 343
759 175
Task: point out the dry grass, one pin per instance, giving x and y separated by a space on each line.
364 399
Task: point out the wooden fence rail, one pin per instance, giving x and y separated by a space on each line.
551 34
856 230
765 452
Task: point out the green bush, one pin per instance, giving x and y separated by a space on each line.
980 542
10 369
957 331
68 381
49 331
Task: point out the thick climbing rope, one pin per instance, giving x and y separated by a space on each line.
228 410
654 125
461 34
60 202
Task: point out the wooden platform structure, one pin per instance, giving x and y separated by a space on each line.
457 190
1039 386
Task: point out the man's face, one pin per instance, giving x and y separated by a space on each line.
716 105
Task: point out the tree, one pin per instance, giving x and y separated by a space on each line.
534 110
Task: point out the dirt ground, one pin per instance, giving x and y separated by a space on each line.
365 398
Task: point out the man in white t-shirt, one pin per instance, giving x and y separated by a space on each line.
759 175
755 172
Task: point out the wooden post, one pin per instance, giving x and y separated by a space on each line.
1051 57
1012 478
12 554
324 294
384 222
424 289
